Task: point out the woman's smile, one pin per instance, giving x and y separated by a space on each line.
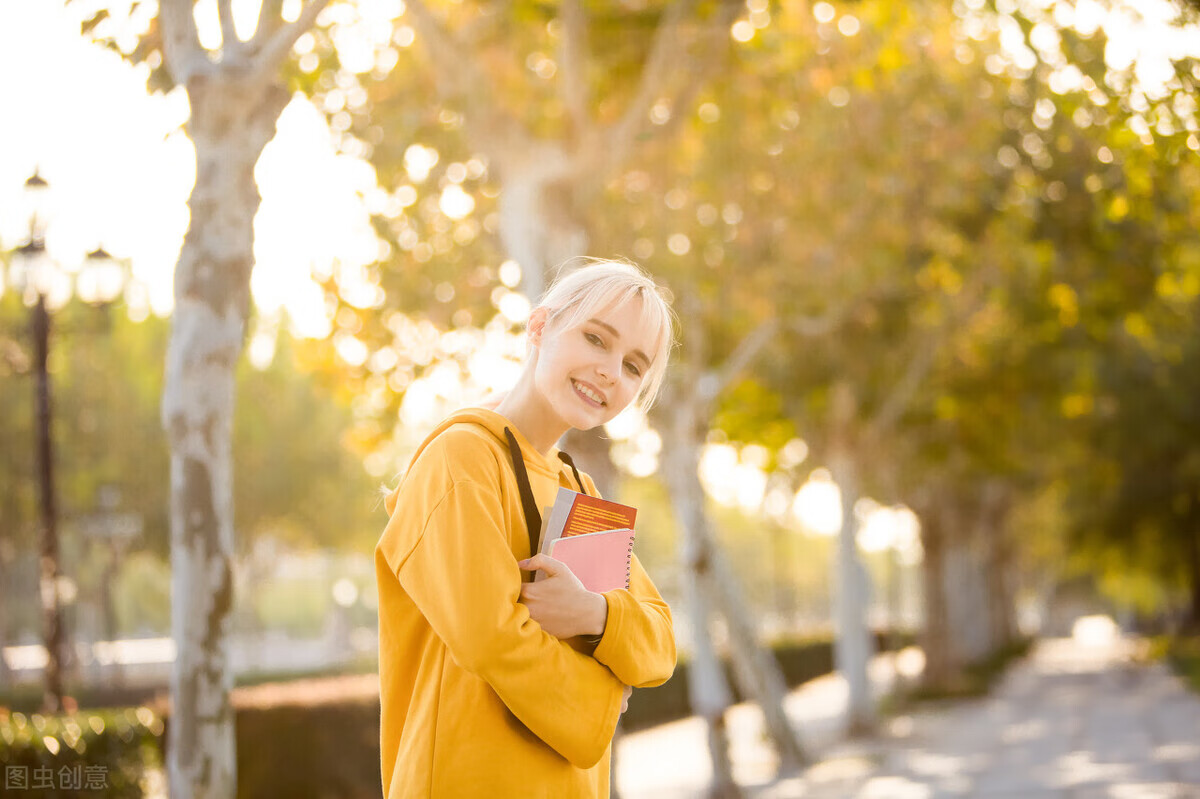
589 394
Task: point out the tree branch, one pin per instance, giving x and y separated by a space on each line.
717 380
181 44
486 23
700 71
813 326
902 393
918 368
270 19
573 59
457 73
230 43
276 48
665 52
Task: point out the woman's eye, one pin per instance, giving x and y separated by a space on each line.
632 367
593 338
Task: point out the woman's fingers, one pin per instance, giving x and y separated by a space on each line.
545 563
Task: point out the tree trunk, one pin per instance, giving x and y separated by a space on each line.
231 121
591 451
935 636
853 643
538 226
708 691
116 672
1001 612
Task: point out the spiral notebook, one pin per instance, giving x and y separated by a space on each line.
600 560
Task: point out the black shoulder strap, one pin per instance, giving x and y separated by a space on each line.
565 458
533 518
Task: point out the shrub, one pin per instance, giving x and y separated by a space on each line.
86 754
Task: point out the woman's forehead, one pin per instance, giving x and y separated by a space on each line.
631 323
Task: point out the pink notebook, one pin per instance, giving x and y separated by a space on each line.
601 560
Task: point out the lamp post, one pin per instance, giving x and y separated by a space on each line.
32 258
99 281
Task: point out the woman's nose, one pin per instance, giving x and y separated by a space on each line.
606 370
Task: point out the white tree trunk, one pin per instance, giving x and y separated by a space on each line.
537 226
231 121
708 691
853 644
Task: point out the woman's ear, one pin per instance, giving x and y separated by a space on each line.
537 325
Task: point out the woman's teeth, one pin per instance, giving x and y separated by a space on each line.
587 392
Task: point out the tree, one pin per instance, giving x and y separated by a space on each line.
236 95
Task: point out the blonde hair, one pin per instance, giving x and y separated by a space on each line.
584 287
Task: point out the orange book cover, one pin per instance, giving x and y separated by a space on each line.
579 514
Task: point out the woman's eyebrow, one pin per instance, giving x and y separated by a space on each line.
617 335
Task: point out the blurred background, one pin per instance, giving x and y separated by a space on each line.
937 267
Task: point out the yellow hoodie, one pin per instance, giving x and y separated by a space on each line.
477 700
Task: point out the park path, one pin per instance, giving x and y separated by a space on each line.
1075 720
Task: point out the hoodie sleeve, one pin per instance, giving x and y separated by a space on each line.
638 644
452 556
639 640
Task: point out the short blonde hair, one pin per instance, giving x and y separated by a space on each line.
584 287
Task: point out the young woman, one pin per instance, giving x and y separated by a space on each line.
492 685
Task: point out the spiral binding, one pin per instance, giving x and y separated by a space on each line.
629 561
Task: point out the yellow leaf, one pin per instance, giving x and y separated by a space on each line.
1118 209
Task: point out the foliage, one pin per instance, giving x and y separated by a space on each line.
116 747
295 479
1184 656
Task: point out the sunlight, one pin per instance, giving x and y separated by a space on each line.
717 463
418 161
1095 631
818 504
456 203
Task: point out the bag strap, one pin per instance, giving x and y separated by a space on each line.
565 458
533 518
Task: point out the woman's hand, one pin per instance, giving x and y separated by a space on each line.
625 698
560 603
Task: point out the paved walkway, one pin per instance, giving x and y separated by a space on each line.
1073 721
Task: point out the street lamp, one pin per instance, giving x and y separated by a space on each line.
43 285
32 259
100 279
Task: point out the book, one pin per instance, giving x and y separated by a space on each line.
577 514
593 536
600 560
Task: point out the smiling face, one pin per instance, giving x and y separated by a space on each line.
588 373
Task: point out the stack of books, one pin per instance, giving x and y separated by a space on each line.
592 536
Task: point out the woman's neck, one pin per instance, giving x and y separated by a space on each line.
529 414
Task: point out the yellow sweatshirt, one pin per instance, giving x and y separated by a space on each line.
477 700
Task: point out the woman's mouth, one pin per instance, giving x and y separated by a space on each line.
589 395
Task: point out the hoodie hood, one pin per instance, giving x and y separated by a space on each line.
494 423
